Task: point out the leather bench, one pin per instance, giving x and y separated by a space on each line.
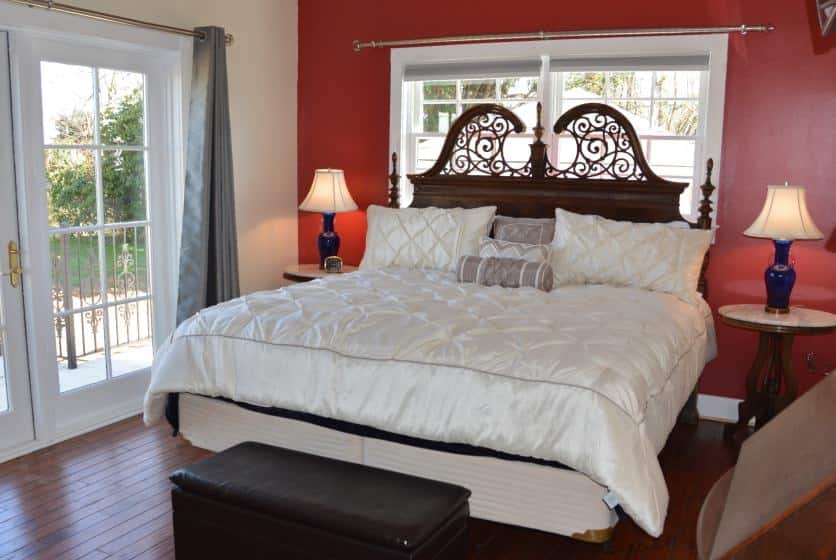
257 501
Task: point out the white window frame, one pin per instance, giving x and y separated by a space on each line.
57 415
414 106
714 46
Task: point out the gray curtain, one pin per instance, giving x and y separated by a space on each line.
209 244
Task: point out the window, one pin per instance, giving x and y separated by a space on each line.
662 85
437 103
95 153
665 106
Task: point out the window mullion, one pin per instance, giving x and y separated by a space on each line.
100 213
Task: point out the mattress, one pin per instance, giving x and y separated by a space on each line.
589 376
545 498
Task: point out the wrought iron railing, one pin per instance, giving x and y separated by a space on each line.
85 297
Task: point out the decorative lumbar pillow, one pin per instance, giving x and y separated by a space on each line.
589 249
508 273
507 249
533 231
423 237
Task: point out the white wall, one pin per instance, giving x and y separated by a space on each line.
262 67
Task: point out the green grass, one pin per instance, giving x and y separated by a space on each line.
79 246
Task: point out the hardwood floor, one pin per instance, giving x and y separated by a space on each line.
105 495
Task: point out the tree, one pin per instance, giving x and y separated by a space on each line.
678 118
71 172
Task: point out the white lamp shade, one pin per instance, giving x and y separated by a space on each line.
328 193
784 216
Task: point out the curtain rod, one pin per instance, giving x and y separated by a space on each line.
583 34
102 16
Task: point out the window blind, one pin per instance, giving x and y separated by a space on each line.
685 62
465 70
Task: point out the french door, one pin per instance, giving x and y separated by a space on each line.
16 422
97 202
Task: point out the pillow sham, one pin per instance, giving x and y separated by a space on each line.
508 273
507 249
589 249
423 237
523 230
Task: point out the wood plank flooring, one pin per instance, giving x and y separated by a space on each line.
105 495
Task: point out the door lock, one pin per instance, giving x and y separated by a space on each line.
14 265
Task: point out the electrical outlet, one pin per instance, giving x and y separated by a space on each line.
811 361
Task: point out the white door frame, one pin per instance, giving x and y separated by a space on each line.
165 60
17 430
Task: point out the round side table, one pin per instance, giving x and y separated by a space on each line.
771 383
308 272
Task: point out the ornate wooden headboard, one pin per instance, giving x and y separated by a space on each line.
608 174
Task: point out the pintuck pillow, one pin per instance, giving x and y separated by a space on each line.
523 230
508 273
589 249
533 253
423 237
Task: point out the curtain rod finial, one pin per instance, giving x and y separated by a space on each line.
355 45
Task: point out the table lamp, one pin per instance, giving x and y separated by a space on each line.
329 195
784 218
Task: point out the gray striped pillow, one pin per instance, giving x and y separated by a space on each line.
508 273
523 230
507 249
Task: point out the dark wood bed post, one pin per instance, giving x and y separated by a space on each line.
704 221
689 413
394 182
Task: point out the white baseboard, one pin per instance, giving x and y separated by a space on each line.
712 407
94 422
98 419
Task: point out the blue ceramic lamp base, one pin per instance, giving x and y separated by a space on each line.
780 279
328 241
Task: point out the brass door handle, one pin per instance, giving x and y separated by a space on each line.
14 265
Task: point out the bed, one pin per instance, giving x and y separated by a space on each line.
550 406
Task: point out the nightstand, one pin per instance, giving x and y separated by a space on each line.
308 272
771 383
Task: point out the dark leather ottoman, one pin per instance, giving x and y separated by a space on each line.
256 501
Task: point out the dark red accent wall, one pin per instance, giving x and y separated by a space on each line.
780 124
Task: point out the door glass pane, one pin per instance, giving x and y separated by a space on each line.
130 337
71 187
123 185
122 108
77 309
101 292
68 103
126 254
79 344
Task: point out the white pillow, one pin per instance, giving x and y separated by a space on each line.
589 249
423 237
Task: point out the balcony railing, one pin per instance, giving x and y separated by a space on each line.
89 281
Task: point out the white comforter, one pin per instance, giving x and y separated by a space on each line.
590 376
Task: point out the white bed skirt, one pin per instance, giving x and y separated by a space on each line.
550 499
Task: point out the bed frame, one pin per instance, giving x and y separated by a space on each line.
609 176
